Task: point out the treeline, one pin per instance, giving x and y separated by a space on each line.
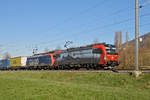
127 50
127 56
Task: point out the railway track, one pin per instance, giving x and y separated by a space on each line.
86 71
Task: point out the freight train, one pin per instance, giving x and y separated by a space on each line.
93 56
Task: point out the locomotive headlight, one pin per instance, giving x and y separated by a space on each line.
105 57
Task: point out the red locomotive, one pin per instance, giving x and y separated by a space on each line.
91 56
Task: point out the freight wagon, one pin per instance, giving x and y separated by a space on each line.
18 62
4 64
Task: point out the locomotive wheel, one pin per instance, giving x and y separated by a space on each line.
95 67
61 67
87 67
76 68
56 68
68 68
50 68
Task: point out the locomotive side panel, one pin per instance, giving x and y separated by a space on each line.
39 61
83 56
78 57
64 59
88 57
32 61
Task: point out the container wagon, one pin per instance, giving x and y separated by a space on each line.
4 64
18 62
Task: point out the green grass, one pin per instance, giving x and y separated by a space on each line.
23 85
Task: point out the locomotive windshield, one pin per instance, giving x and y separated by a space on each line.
111 50
97 51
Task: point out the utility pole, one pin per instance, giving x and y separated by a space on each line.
137 72
136 34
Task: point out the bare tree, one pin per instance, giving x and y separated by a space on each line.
6 55
127 57
127 38
118 39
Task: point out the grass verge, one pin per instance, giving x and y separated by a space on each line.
28 85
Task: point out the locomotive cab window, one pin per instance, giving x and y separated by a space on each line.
56 56
111 51
97 50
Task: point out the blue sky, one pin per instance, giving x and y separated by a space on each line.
25 24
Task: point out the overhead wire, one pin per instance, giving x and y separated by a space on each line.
20 51
109 15
99 27
91 30
113 13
